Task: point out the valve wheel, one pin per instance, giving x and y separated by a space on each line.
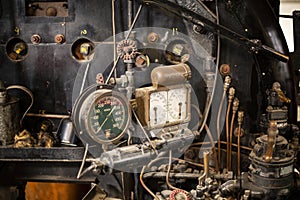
179 195
127 49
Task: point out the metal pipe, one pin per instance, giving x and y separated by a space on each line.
129 13
206 163
55 116
230 98
213 149
171 175
234 110
144 185
240 121
225 88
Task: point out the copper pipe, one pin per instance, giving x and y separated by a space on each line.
206 163
230 141
239 134
243 147
227 136
206 167
144 185
239 150
234 110
230 98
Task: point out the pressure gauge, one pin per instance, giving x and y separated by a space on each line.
158 108
177 104
106 117
164 106
103 115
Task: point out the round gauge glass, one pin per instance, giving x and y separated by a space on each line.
158 108
107 117
177 104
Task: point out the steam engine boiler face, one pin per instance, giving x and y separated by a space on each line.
197 97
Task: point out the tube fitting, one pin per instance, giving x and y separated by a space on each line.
227 82
231 94
240 117
235 107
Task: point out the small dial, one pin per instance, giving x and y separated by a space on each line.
177 104
158 108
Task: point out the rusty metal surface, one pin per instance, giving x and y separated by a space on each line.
9 121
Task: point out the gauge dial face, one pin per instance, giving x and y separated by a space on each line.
107 117
158 108
177 104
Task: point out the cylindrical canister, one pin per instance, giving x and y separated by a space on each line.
67 135
9 120
170 75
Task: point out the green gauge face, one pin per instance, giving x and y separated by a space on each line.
107 117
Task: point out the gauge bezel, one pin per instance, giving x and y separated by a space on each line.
95 146
88 108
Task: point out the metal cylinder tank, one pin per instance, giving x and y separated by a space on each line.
9 120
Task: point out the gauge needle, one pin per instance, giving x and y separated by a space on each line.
155 115
179 111
107 116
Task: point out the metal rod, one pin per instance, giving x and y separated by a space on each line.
239 150
84 77
56 116
129 13
83 161
240 121
206 163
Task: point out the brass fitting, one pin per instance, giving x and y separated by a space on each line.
235 107
277 87
272 133
240 117
231 94
227 82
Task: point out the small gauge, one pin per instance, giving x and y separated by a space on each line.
177 104
165 106
104 115
158 108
